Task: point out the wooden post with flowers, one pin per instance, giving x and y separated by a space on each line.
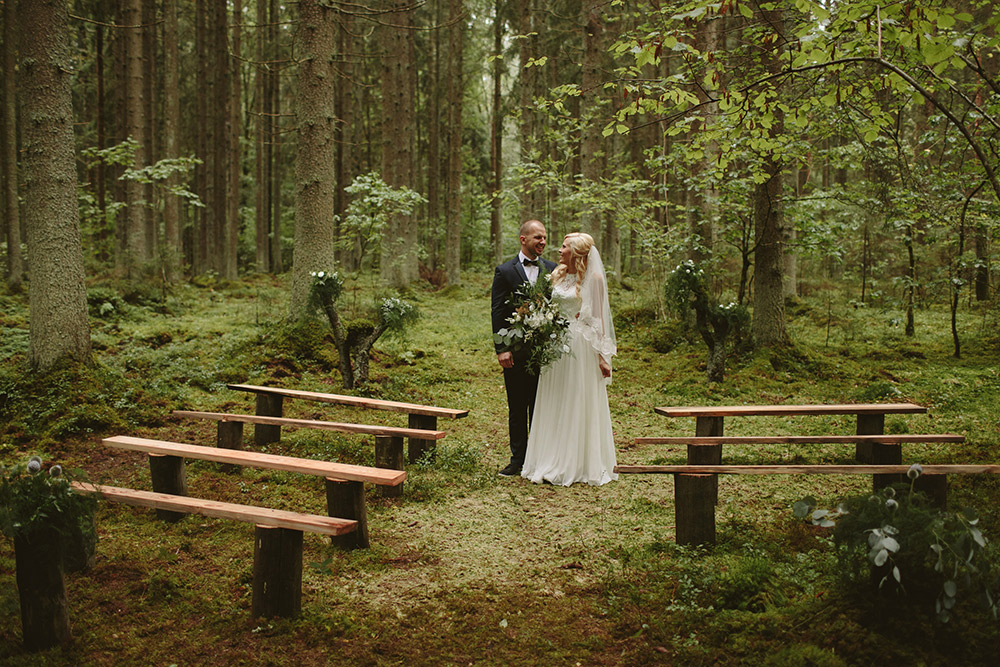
43 515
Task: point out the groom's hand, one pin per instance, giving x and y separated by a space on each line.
506 359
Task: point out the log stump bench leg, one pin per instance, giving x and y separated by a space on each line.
277 572
346 499
417 446
230 436
167 474
694 508
268 405
868 425
707 454
886 455
389 454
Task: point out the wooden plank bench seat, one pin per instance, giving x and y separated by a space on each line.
277 562
876 453
388 439
270 403
345 490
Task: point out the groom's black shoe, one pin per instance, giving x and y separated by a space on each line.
512 470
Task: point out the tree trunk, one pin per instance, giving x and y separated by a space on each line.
8 145
261 171
346 151
173 252
399 252
314 164
456 93
274 97
235 154
496 140
222 152
136 248
591 144
149 218
57 296
200 250
769 328
531 197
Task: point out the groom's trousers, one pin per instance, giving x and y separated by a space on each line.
522 387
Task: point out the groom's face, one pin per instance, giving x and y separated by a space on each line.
533 243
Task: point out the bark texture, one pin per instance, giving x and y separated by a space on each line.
57 296
316 158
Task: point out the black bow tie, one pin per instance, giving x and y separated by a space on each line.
530 262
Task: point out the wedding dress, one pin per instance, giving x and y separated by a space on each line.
570 438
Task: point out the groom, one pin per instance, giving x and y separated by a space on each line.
521 385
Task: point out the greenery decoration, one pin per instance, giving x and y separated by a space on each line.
907 542
33 499
537 328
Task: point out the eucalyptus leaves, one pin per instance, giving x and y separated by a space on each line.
906 542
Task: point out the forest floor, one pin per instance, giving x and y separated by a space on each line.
470 568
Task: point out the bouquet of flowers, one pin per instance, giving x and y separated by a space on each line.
536 326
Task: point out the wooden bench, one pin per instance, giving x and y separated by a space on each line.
270 403
345 483
696 494
277 558
388 439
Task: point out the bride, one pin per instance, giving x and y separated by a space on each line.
571 439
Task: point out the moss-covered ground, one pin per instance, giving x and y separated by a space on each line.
467 567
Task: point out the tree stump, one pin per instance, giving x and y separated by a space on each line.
277 572
268 405
418 446
167 474
707 454
42 589
389 454
346 500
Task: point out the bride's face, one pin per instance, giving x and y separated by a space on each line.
565 252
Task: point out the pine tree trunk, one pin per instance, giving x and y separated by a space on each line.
57 296
235 132
262 206
456 92
8 146
591 144
399 252
173 252
496 139
274 97
314 164
136 247
200 244
149 148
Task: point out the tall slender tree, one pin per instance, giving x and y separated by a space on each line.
496 137
133 233
57 297
399 252
172 232
314 163
8 147
456 94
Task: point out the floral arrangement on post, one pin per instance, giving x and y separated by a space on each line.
356 338
537 328
32 500
905 540
53 529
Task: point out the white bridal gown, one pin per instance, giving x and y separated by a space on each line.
570 438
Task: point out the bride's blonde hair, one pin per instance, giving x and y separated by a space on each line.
580 244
